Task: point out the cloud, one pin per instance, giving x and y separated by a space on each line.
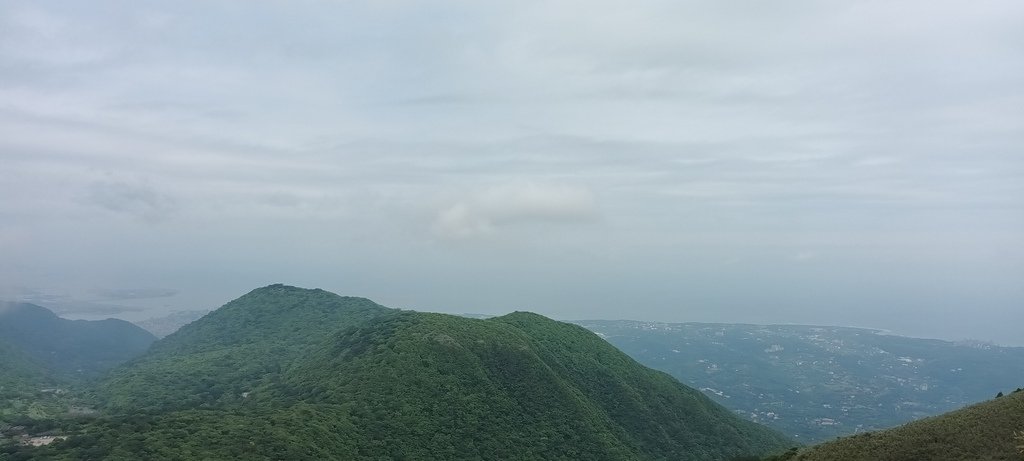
513 204
695 132
138 200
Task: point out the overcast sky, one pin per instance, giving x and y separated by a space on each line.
848 163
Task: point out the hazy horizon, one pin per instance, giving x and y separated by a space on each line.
785 163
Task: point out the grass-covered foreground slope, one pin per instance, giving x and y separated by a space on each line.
70 349
341 378
979 432
233 349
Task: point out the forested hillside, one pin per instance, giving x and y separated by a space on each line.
304 374
70 349
18 373
234 349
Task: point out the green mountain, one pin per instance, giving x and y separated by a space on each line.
70 349
816 383
515 386
288 373
234 349
986 431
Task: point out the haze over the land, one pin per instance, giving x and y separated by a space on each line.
786 162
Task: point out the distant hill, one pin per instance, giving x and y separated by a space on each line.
288 373
977 433
70 349
167 324
816 383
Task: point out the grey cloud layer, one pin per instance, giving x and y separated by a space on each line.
871 149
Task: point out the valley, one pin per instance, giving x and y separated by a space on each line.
816 383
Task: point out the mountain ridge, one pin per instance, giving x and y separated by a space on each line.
365 381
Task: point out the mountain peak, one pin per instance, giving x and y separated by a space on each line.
272 326
300 296
280 288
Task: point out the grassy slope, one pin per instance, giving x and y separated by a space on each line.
979 432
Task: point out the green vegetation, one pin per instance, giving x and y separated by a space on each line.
979 432
285 373
45 360
20 381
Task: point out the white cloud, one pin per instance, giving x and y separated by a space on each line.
510 204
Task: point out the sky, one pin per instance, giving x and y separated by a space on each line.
830 163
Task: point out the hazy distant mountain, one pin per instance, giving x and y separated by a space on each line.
288 373
816 383
986 431
167 324
70 348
